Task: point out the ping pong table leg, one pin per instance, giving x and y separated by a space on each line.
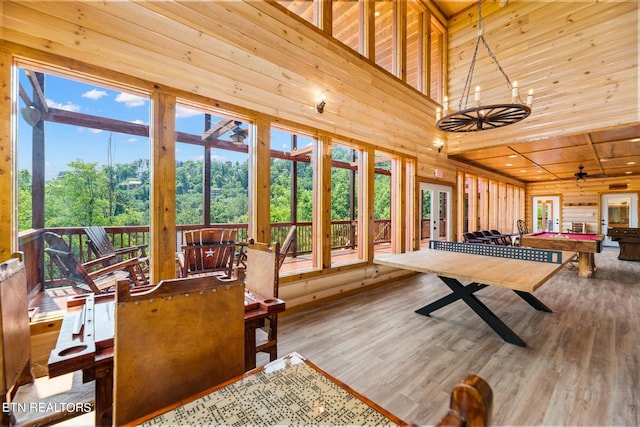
466 294
533 301
459 291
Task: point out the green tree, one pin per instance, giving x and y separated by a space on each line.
77 198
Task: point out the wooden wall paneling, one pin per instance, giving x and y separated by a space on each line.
313 291
341 67
573 95
580 204
8 239
163 187
337 66
170 53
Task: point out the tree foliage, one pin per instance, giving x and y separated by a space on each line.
118 195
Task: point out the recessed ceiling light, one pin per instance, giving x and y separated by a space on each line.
604 160
508 164
631 163
628 172
513 156
523 170
635 140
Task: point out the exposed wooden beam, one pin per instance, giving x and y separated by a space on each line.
37 90
589 141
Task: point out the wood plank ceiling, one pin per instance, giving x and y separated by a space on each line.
605 153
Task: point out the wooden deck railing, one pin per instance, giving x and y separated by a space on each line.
41 271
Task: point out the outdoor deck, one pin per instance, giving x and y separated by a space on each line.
52 302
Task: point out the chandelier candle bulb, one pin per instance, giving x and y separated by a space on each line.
438 115
530 98
483 117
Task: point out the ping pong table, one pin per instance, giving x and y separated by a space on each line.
522 270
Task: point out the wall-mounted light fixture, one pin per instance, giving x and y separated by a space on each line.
439 144
322 102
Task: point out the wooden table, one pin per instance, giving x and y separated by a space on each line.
585 244
629 241
519 269
85 342
288 391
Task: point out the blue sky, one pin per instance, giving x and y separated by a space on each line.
64 143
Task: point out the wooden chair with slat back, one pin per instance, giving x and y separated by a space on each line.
97 276
262 279
208 251
522 230
188 336
470 404
101 246
578 227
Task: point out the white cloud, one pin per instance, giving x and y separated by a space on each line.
94 94
182 112
69 106
95 130
132 140
138 122
129 100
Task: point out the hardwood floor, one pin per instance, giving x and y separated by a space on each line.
580 366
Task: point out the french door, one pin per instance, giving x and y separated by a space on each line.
435 212
618 210
546 213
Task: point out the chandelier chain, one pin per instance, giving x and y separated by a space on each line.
467 85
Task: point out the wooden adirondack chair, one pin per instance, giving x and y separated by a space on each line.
101 246
208 251
97 276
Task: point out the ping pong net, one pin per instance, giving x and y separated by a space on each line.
526 254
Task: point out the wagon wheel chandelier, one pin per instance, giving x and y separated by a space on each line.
483 117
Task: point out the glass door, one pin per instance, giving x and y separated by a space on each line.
618 211
435 212
546 213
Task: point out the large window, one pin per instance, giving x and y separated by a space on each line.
211 169
425 75
346 242
83 153
292 196
436 66
384 34
383 202
415 43
347 25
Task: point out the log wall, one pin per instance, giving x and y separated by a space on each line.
579 204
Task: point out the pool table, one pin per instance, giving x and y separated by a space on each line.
585 244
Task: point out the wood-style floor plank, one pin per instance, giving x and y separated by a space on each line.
580 366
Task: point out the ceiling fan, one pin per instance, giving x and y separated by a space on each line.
580 175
